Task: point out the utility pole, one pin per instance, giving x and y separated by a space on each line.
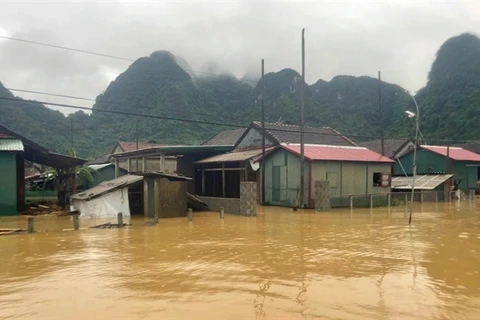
136 139
302 146
381 112
263 133
71 133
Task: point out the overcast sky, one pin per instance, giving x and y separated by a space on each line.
355 38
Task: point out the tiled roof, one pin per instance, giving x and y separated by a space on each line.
455 153
225 138
234 156
287 133
11 145
132 146
391 146
337 153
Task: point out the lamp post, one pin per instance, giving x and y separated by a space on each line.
411 115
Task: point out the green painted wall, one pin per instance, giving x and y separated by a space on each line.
105 174
282 177
8 184
427 160
348 178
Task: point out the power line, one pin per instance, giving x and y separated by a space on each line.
103 55
110 102
217 123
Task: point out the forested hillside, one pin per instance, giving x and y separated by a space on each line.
162 85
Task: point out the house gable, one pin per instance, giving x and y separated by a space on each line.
252 138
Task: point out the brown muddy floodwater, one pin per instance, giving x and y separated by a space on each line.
279 265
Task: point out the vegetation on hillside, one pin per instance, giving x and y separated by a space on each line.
163 85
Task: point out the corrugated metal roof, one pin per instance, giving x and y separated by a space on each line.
164 175
11 145
107 187
423 182
100 166
234 156
454 153
337 153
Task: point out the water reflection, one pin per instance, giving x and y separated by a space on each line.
278 265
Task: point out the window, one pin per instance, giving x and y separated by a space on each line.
381 179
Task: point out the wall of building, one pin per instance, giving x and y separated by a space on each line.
8 184
230 205
282 178
467 172
347 178
426 161
253 138
170 198
103 174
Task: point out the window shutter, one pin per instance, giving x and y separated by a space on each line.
385 179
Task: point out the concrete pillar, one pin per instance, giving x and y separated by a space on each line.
248 198
322 195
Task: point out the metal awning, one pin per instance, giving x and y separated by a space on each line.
11 145
422 182
233 156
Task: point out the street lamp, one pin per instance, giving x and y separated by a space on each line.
410 114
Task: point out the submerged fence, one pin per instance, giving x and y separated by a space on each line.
398 198
53 223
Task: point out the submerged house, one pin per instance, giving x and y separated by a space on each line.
222 175
14 150
463 164
350 170
148 163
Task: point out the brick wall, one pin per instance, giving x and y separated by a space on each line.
322 195
248 198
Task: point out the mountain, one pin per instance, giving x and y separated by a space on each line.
162 87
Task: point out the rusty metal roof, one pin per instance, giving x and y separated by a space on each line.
234 156
422 182
107 187
11 145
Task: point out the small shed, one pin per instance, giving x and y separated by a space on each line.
463 164
165 195
350 171
106 199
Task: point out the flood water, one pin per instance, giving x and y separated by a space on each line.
280 264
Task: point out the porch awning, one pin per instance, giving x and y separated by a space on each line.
233 156
422 182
